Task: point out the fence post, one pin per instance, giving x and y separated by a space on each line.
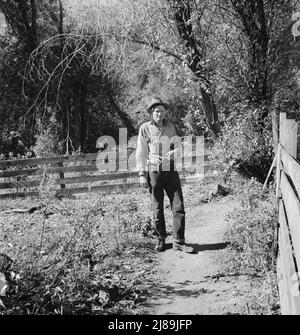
61 175
282 130
278 171
288 134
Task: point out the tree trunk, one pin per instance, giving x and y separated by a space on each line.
210 112
123 116
252 16
83 115
182 17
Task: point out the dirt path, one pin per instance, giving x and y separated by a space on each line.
189 284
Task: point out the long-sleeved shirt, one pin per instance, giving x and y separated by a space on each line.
153 144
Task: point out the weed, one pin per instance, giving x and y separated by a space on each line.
70 254
251 233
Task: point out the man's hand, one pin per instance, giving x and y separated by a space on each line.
143 181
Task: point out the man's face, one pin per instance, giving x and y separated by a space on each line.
159 113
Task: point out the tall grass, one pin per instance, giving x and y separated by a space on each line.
69 255
251 236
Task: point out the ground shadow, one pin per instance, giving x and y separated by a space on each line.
171 293
169 246
212 246
203 247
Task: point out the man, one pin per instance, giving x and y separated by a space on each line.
155 163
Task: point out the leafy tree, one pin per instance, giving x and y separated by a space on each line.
168 31
59 76
257 53
92 63
255 76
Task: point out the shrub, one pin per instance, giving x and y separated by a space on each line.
47 138
78 256
251 230
251 234
245 144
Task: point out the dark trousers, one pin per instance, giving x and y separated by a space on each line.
169 181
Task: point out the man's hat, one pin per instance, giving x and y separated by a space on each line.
156 102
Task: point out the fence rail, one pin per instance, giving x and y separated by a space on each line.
80 174
288 192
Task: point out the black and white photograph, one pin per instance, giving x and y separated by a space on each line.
149 161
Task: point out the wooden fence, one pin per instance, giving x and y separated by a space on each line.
288 193
79 174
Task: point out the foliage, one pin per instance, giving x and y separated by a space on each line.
145 78
265 296
251 230
251 237
87 258
93 63
168 33
244 145
254 60
15 135
255 47
48 138
47 67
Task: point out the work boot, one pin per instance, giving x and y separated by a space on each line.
181 246
161 245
